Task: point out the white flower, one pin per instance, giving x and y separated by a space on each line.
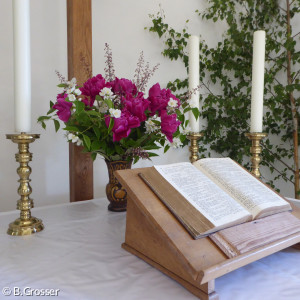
106 93
172 103
70 90
103 107
72 82
192 104
74 139
185 131
115 113
176 143
151 126
71 97
71 86
77 92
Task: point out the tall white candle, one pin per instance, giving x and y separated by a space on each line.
257 92
193 46
22 70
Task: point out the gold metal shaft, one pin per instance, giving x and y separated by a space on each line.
194 148
26 224
255 150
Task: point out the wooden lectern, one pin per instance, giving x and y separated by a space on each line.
154 235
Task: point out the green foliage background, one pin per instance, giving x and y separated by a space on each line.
228 68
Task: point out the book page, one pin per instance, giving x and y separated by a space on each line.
242 186
216 205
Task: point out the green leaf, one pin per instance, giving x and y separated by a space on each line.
156 122
87 141
97 131
80 106
93 113
167 147
111 124
42 118
72 128
50 111
109 103
62 85
118 149
151 147
96 145
56 125
196 112
151 154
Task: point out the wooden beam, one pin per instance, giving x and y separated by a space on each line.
79 20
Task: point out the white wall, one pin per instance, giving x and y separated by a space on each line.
49 52
119 23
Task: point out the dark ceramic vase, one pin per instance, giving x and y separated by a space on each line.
115 193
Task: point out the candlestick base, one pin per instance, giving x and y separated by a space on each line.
21 227
194 137
255 150
26 224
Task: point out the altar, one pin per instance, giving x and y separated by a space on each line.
79 254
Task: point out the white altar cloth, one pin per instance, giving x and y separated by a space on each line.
79 252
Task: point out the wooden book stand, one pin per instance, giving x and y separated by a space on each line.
154 235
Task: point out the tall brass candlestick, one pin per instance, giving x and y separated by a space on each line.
194 149
255 150
26 224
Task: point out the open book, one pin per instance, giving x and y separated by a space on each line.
212 194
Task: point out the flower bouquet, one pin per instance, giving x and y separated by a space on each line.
114 118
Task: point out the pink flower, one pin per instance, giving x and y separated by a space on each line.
86 101
63 107
123 125
121 129
159 98
92 87
123 86
169 124
137 106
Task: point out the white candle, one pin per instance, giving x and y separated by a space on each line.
22 70
193 46
257 92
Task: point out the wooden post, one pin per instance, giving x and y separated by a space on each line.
79 20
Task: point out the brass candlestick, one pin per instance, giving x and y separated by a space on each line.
255 150
26 224
194 149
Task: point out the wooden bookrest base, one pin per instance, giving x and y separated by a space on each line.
154 235
205 291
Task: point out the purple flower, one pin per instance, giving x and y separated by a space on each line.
92 87
159 98
63 107
137 106
123 86
169 124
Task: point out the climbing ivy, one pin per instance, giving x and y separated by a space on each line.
225 76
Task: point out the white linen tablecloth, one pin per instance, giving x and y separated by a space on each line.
79 253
